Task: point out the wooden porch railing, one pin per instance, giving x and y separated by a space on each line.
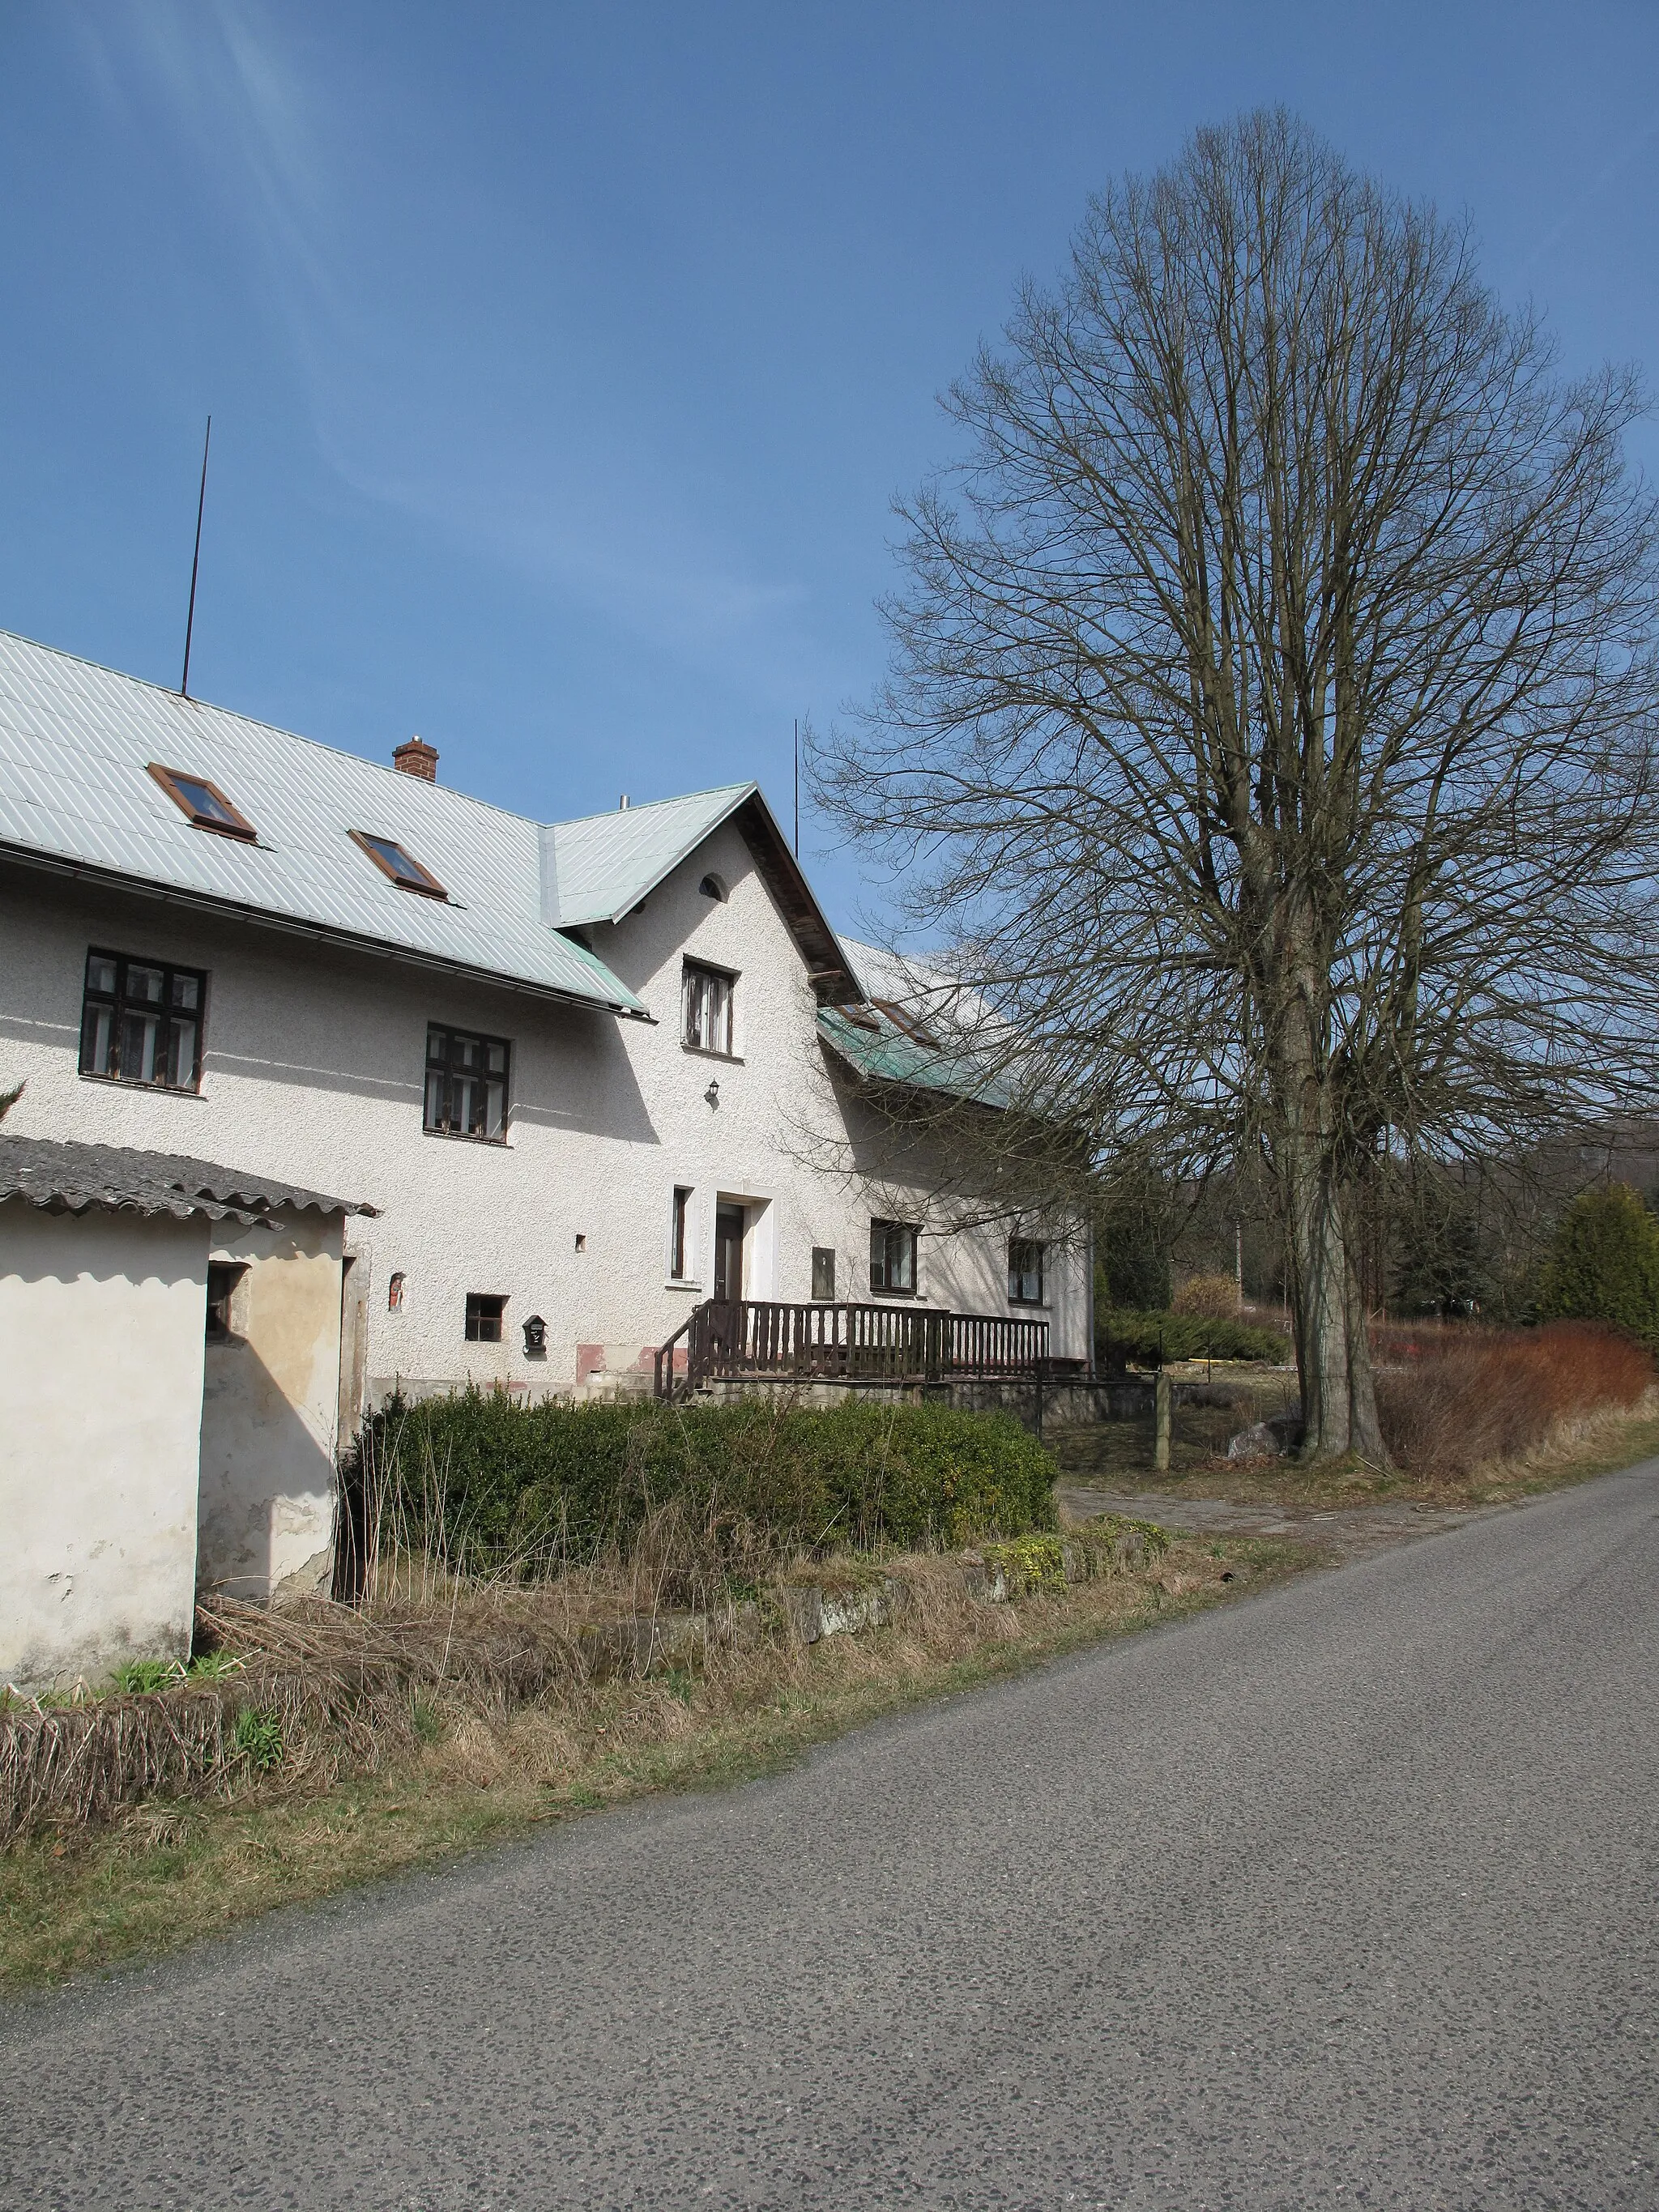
724 1340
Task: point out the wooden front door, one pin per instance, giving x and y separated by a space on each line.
728 1252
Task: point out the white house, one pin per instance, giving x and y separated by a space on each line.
588 1075
170 1382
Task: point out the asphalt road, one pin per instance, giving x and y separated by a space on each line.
1341 1896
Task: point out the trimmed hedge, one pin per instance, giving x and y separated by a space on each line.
1146 1338
494 1484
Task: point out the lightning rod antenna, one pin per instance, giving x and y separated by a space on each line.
797 731
196 562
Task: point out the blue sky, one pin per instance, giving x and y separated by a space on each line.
563 360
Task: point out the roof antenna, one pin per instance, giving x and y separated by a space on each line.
796 726
189 619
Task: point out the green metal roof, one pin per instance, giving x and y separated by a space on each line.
910 1031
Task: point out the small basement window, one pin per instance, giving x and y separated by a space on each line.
466 1084
141 1021
893 1258
708 1010
392 861
1025 1258
823 1273
224 1280
485 1311
204 802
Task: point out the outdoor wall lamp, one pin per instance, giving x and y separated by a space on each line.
713 1093
535 1337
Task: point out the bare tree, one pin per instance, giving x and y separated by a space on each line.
1271 725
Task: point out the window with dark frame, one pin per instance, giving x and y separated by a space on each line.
399 864
224 1279
202 803
679 1234
485 1311
141 1022
905 1019
893 1258
466 1084
823 1273
707 1023
1025 1259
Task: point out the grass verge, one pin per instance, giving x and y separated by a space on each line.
172 1873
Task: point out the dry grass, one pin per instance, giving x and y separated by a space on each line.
1453 1398
171 1872
1475 1416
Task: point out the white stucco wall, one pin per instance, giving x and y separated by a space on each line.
314 1069
100 1413
269 1413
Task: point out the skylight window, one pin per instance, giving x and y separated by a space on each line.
202 803
390 859
902 1017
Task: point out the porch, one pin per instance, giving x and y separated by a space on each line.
763 1339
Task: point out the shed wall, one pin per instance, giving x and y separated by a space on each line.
100 1409
269 1414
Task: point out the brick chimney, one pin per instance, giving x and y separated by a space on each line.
417 758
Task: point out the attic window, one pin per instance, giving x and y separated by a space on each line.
902 1019
202 803
390 858
711 887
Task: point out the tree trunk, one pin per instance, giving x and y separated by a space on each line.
1333 1338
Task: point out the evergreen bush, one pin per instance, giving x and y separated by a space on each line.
1604 1264
491 1485
1145 1339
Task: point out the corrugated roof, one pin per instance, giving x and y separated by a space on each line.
67 1178
75 741
599 868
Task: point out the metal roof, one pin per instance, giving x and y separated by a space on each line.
913 1027
68 1178
600 866
75 743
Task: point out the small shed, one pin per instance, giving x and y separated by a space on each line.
170 1334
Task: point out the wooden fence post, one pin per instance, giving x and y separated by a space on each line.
1163 1421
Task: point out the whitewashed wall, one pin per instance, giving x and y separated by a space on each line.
100 1413
313 1071
269 1412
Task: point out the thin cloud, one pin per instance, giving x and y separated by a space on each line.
396 421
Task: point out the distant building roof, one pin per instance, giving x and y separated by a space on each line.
77 743
68 1178
917 1028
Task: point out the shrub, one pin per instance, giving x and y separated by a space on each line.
1145 1339
492 1486
1604 1264
1452 1397
1218 1295
259 1738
